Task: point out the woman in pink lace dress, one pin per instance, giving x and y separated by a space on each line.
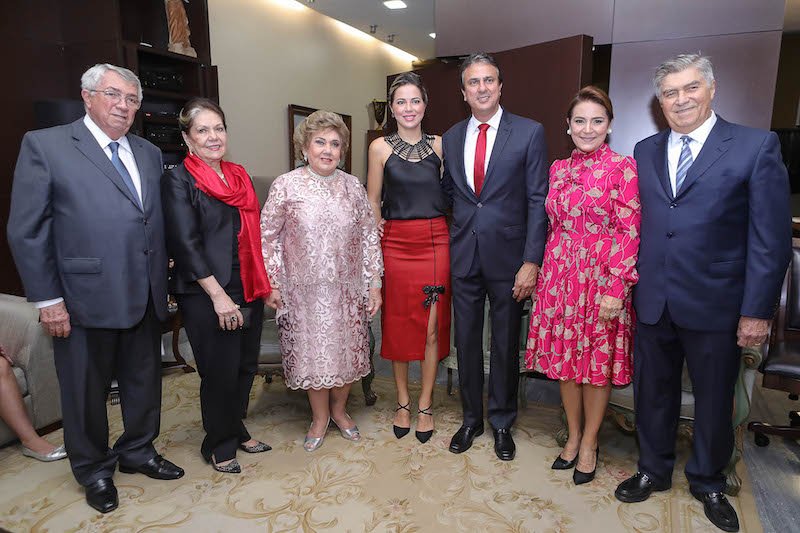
322 253
582 322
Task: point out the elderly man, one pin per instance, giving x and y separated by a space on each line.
87 234
495 176
715 243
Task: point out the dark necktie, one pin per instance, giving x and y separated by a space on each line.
684 162
480 159
120 166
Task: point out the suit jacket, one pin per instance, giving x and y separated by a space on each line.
77 232
719 249
507 224
200 232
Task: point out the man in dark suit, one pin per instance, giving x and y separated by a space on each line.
87 234
495 176
715 243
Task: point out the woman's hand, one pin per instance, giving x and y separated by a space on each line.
374 301
274 299
610 308
381 224
227 312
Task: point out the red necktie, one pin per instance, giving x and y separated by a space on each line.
480 159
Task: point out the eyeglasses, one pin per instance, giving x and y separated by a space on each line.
116 96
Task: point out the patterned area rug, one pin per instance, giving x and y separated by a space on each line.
379 484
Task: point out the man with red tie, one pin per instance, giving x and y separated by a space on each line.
495 177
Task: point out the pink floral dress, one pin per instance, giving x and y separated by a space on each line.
592 244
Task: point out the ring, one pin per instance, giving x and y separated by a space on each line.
234 319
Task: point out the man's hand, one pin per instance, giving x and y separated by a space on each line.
55 320
609 307
752 331
525 281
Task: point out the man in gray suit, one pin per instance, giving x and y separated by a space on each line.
87 235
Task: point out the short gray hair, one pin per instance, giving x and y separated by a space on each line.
91 78
478 57
680 63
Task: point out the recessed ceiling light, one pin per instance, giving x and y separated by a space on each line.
432 35
395 4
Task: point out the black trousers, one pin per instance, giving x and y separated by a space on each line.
86 362
227 362
713 360
469 296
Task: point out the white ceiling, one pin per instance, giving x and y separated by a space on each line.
412 25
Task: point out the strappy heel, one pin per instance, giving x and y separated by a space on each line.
399 431
424 436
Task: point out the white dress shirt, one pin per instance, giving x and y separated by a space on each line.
675 144
125 155
472 140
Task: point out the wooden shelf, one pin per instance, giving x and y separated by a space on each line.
172 56
169 95
156 119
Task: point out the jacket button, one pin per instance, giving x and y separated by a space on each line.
473 232
673 205
146 252
480 205
669 235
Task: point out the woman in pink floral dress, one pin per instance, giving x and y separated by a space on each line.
582 322
320 245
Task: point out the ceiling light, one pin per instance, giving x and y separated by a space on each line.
390 38
432 35
373 28
395 4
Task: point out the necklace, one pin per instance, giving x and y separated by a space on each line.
320 176
411 152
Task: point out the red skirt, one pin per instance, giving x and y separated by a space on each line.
416 257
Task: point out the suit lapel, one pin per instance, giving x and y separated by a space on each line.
713 148
88 146
660 162
460 179
503 133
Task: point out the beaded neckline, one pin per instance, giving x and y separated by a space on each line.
319 176
411 152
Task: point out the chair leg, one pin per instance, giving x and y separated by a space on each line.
366 382
449 381
733 482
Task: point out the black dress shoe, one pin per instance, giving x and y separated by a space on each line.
504 446
718 510
579 478
639 487
102 495
156 468
462 440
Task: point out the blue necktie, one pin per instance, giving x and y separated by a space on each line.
684 162
120 166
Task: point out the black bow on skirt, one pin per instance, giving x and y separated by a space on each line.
432 294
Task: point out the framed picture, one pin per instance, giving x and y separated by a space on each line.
297 114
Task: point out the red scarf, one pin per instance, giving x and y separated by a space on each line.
239 193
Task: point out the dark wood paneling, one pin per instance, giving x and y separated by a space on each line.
787 87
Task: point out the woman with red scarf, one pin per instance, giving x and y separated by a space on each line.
211 215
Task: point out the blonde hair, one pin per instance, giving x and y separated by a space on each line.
320 121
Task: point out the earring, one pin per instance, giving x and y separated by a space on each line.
305 157
609 130
569 131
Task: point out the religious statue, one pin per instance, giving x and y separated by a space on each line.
178 24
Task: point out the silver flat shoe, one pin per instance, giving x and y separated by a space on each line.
56 455
258 447
231 468
312 443
350 434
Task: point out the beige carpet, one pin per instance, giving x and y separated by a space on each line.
379 484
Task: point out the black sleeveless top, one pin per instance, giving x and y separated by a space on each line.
412 189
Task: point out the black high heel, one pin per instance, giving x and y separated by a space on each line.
562 464
424 436
585 477
401 432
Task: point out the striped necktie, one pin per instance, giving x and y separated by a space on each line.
123 172
684 162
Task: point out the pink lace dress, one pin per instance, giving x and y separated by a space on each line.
321 248
592 245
